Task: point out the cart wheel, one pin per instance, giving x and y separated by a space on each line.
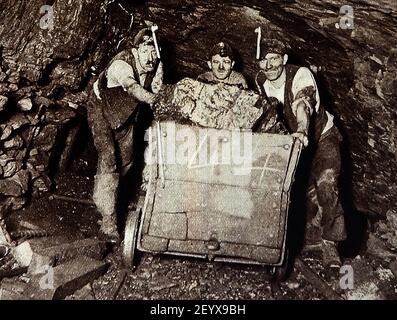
130 237
280 273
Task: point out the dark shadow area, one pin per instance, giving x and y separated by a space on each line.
239 62
356 222
130 184
76 143
168 54
297 211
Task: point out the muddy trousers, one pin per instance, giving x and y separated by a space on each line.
325 215
115 155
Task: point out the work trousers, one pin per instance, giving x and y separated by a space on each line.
114 146
325 215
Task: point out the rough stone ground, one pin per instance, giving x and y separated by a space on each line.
164 277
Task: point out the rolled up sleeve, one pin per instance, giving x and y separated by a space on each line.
304 88
120 73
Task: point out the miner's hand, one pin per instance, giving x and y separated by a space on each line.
302 137
139 92
151 99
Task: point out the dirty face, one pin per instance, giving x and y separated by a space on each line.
273 65
221 66
147 56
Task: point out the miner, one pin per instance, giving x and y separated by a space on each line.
306 119
221 63
130 80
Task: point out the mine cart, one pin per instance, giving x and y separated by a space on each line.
202 203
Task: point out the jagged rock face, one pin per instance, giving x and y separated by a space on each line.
32 49
355 68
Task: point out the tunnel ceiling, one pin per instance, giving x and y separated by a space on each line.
355 68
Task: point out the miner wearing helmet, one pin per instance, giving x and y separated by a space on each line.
128 83
221 62
298 102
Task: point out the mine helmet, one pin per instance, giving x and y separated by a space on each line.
143 36
223 49
273 46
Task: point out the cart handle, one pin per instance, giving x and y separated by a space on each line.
160 154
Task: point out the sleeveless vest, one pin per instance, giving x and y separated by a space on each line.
118 105
319 117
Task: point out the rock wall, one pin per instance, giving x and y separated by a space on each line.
355 68
29 140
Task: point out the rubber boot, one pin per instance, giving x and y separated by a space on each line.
105 198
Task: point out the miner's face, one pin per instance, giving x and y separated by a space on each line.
147 56
221 66
273 65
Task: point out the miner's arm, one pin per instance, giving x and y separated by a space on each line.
306 101
136 90
123 74
303 120
133 88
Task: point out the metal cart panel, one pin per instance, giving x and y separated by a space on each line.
222 209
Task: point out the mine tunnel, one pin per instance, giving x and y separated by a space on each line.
50 56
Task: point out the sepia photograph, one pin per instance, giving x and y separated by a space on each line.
198 156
